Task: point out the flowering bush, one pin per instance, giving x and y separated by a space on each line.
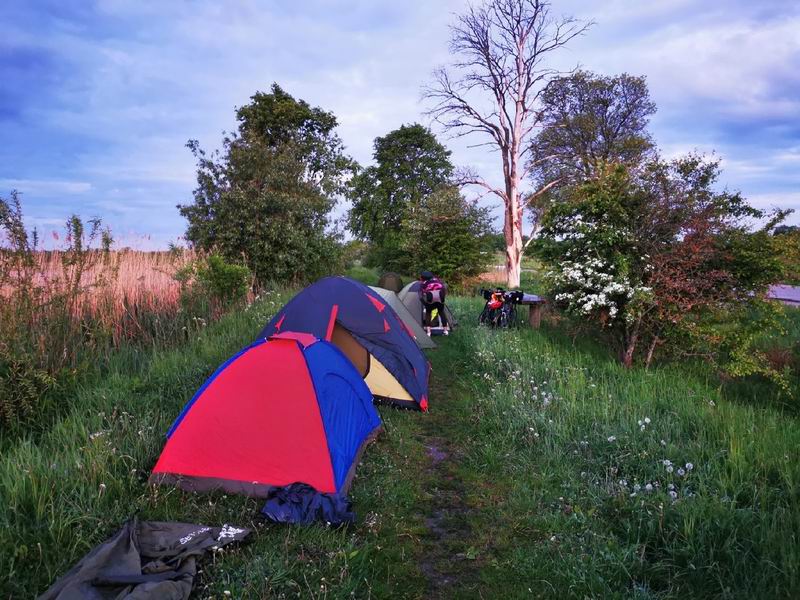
655 256
595 287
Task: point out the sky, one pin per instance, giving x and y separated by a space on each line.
98 98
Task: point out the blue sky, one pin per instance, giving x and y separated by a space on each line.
98 98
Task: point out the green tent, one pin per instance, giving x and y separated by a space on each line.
409 296
422 338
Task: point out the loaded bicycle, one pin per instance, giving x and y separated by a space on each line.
500 308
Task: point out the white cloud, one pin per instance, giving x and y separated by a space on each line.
777 200
48 187
173 71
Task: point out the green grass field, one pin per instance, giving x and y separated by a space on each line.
530 477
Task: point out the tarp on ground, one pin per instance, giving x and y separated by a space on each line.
143 560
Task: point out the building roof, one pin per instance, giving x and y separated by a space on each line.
785 293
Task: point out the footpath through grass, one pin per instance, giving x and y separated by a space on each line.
532 476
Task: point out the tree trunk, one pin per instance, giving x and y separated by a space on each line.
651 350
512 226
513 255
629 345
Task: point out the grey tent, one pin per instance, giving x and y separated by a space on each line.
409 296
422 338
391 281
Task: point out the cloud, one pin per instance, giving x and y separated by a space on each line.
46 187
788 200
99 99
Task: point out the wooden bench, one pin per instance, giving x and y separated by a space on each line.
535 304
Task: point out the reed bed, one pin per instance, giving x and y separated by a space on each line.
125 295
64 313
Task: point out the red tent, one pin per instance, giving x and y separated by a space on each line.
291 409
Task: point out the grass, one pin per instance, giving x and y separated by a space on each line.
520 482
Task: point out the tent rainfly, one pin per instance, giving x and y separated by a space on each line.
291 409
423 339
367 329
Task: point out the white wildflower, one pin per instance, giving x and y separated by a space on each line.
612 438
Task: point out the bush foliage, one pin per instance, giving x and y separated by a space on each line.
265 200
657 257
408 210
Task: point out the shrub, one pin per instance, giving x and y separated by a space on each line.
447 235
659 259
225 282
23 387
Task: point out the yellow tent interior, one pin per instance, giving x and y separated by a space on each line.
379 380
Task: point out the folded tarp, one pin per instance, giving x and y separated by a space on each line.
301 504
144 559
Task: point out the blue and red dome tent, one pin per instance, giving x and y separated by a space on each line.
360 322
291 409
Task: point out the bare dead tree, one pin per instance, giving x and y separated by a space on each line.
493 89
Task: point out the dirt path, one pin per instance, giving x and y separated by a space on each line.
448 558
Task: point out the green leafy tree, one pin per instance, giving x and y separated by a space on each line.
658 257
411 165
787 245
449 235
588 121
265 198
